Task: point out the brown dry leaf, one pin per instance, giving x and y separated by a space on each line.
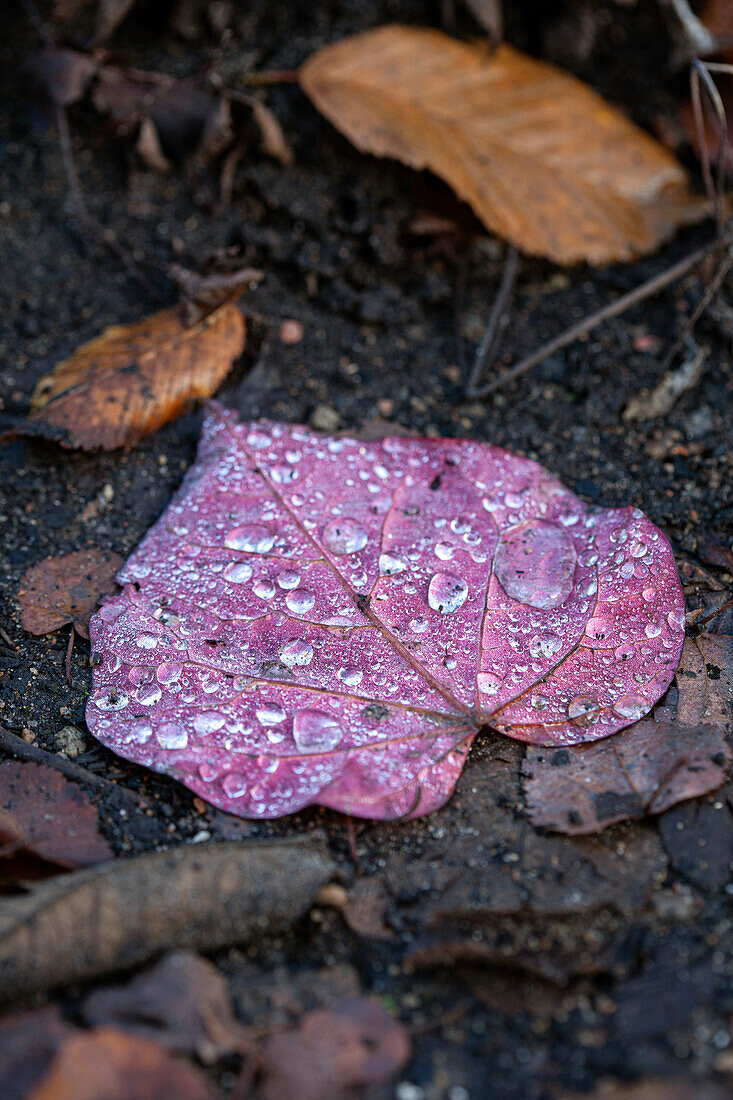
109 1065
274 142
353 1044
204 897
47 816
63 74
134 378
66 589
543 160
182 1004
642 770
649 766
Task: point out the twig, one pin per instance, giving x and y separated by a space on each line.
69 651
714 614
273 76
700 73
97 230
497 322
613 309
19 748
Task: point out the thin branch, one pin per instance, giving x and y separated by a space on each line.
497 322
613 309
16 746
700 73
714 614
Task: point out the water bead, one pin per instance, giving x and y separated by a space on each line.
297 652
344 536
252 538
447 592
300 601
316 731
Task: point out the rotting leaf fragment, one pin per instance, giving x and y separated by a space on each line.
311 622
66 589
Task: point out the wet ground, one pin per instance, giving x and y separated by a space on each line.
610 956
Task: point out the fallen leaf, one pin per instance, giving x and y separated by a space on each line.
132 379
354 1044
118 916
67 589
320 620
644 770
543 160
28 1042
109 1065
713 553
182 1004
45 815
363 906
650 766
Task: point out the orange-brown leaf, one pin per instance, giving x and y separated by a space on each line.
543 160
66 589
134 378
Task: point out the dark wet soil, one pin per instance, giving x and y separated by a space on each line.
609 956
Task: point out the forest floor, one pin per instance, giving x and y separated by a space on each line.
615 960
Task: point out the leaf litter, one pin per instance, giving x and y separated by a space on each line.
543 161
322 620
64 590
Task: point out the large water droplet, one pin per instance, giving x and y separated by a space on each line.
653 630
444 550
631 706
487 683
344 536
598 628
112 699
676 620
316 731
209 721
253 538
169 672
545 645
172 735
264 589
148 695
138 732
389 565
535 564
238 572
270 714
299 601
350 675
447 592
288 579
146 641
296 652
234 785
583 710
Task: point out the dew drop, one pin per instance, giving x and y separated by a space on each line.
296 652
545 645
233 784
112 699
389 565
676 620
264 589
270 714
598 628
288 579
146 641
631 706
350 675
344 536
283 474
487 683
258 441
540 702
208 773
316 731
624 652
447 592
169 672
148 695
653 630
300 601
583 710
418 626
238 572
445 551
252 538
535 564
172 735
649 594
209 721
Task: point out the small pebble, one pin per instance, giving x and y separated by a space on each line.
291 332
325 418
70 741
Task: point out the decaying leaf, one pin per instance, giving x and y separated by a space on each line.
643 770
63 74
543 160
134 378
126 912
45 815
29 1041
650 766
182 1003
110 1065
318 619
353 1044
67 589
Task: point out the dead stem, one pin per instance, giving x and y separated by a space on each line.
497 322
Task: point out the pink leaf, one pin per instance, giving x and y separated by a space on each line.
323 620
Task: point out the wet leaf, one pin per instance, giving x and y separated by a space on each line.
650 766
110 1065
644 770
353 1044
132 379
45 815
58 591
182 1003
543 160
322 620
120 915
